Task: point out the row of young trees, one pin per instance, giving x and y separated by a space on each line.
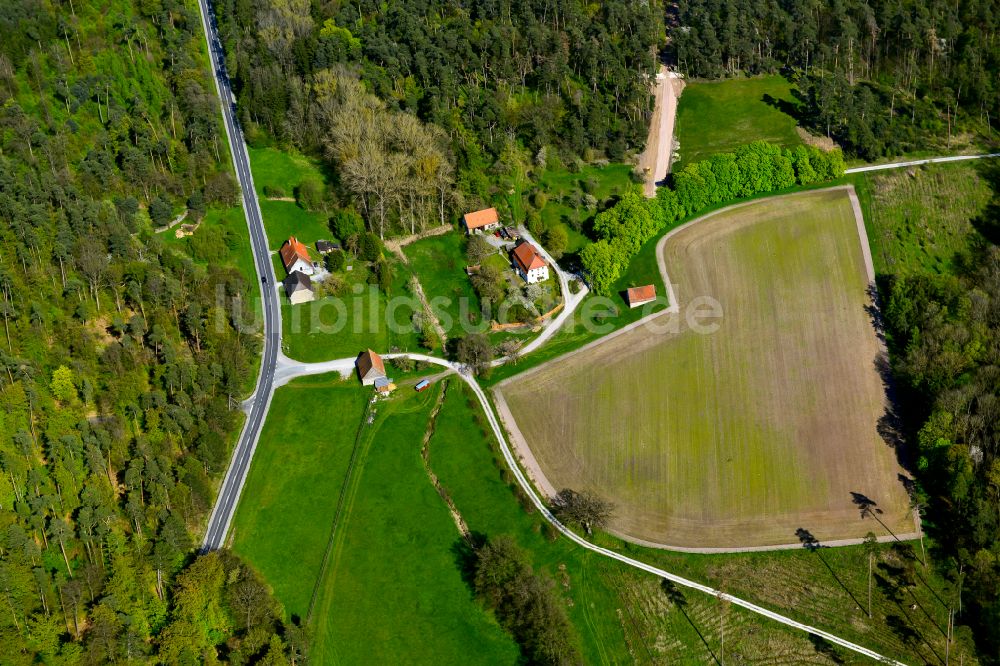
122 358
753 169
881 76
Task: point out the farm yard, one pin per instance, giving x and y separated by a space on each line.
740 437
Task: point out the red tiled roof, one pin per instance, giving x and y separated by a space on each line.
527 257
641 294
291 250
481 218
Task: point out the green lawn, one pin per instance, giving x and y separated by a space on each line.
296 477
394 592
277 168
719 116
337 327
919 219
439 263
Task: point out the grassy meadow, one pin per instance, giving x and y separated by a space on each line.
392 589
919 219
273 168
719 116
730 438
293 484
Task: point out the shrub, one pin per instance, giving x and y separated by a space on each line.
309 194
274 192
335 261
346 223
370 247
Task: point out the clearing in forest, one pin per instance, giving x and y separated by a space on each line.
739 437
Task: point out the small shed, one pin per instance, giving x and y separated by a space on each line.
370 367
326 247
384 385
637 296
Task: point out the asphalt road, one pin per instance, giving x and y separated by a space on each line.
239 465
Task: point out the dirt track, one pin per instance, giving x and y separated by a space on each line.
655 160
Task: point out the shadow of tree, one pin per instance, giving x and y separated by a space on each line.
676 596
826 648
465 552
812 544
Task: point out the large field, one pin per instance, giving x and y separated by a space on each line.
740 437
718 116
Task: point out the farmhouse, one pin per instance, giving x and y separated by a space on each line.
637 296
370 367
295 257
481 220
529 263
298 288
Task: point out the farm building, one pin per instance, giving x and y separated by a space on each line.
370 367
637 296
326 247
298 288
481 220
295 257
529 263
384 385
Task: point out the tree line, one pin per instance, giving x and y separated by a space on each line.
122 356
881 76
753 169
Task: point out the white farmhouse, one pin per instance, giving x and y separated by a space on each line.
529 263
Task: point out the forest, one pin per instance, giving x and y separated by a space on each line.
881 77
124 352
470 93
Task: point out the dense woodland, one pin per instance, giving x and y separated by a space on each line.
882 77
427 106
944 338
121 357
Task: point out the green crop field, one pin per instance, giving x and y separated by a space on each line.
719 116
919 219
739 437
